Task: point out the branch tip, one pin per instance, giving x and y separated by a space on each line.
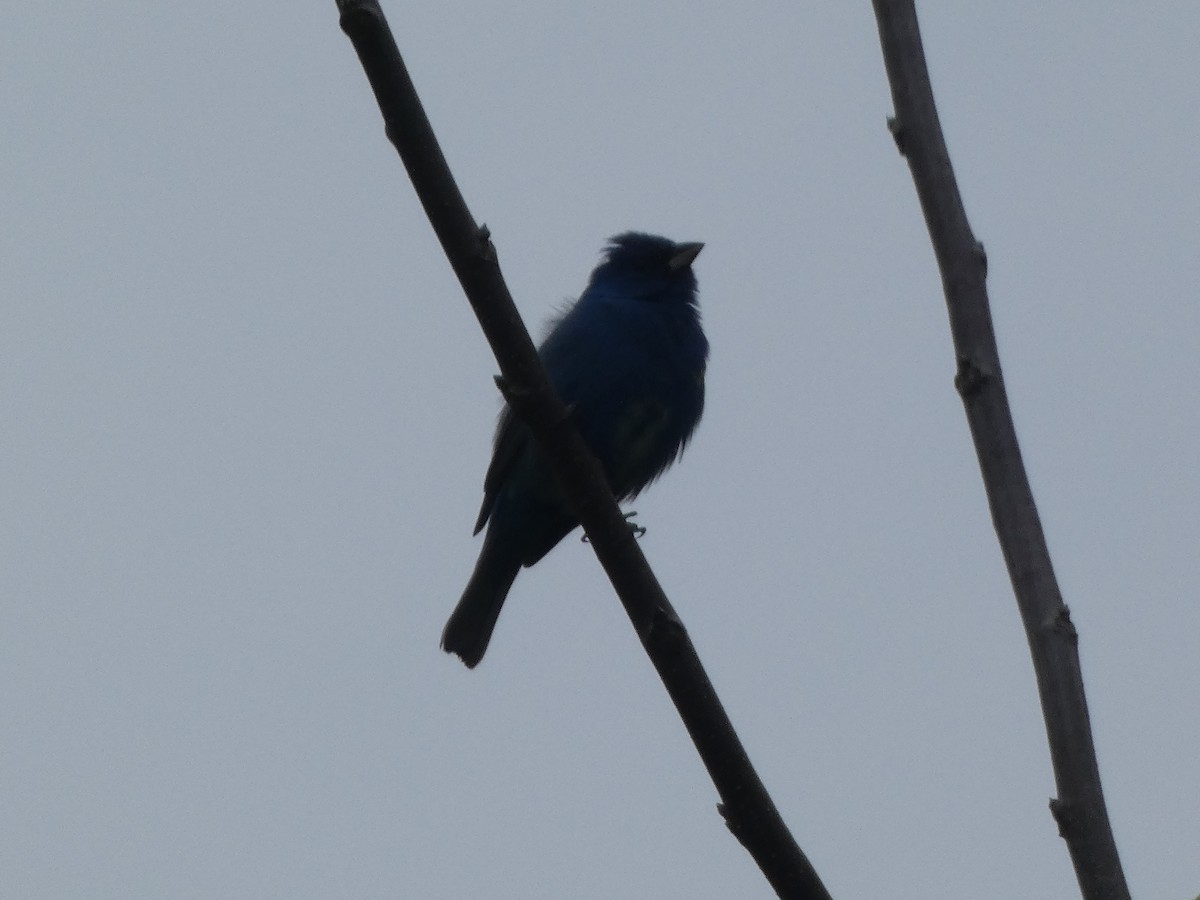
347 8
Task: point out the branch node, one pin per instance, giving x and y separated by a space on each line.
969 378
1064 627
736 827
1063 817
512 394
898 135
486 249
981 257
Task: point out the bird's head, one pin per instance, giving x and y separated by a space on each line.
647 267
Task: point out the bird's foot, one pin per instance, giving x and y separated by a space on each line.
638 530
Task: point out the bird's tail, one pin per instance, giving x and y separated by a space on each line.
471 624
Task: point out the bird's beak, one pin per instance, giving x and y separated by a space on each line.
685 254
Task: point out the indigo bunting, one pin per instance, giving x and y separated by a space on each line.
628 360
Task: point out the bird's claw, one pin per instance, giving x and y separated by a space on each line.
638 530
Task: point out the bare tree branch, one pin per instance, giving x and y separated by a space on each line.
746 806
1079 808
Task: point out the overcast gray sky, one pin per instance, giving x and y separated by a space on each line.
246 415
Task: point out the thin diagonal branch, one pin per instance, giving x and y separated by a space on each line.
1079 808
746 806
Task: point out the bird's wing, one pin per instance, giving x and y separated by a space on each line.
512 440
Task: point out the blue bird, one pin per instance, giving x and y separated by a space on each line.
628 359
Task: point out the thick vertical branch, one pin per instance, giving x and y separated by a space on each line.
1079 808
748 810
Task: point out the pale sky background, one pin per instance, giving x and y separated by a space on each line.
246 413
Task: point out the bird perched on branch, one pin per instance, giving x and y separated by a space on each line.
628 359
